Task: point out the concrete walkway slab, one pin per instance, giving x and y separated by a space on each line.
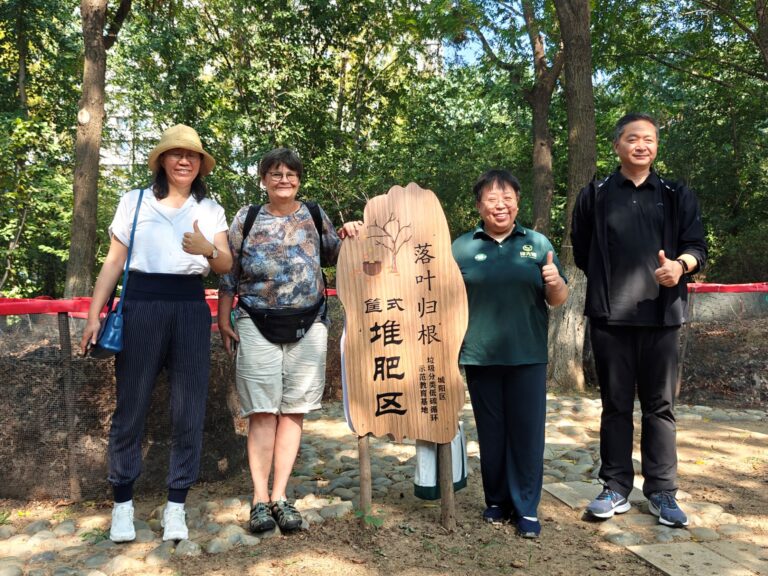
688 559
574 494
749 555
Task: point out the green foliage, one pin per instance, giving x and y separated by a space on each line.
365 93
371 520
740 257
36 208
95 535
35 143
5 517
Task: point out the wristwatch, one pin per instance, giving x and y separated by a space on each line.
684 264
214 254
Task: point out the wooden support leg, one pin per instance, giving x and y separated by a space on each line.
75 494
447 503
364 458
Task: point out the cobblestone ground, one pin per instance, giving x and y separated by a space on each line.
66 546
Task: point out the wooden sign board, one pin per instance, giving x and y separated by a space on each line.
406 313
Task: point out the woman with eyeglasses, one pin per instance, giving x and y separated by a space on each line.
279 331
512 276
180 237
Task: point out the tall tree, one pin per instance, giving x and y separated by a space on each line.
97 39
567 329
510 20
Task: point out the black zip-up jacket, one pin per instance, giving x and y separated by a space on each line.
683 234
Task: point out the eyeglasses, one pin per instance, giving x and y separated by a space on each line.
292 177
506 200
177 155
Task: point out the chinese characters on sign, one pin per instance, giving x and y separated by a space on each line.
405 312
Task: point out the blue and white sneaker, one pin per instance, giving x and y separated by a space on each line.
664 506
608 503
495 515
528 527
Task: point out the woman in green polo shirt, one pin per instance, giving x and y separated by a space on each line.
511 274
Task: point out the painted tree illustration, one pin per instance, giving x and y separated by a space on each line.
383 236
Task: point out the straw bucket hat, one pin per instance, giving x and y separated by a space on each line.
180 136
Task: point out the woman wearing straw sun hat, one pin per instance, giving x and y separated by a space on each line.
180 235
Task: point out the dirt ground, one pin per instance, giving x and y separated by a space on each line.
720 463
725 464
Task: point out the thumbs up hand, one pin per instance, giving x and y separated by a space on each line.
549 272
669 271
195 243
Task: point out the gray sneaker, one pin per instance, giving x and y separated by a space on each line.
608 503
664 505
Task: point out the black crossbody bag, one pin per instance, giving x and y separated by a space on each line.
285 325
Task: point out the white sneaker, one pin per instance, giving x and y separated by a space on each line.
174 522
122 529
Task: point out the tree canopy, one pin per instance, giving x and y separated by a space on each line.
378 93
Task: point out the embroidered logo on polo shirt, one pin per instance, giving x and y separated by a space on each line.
480 257
528 252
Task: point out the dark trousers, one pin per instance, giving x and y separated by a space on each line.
158 334
510 407
630 358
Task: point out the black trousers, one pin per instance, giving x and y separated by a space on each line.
167 326
630 358
510 408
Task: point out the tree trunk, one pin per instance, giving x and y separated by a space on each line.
540 99
342 96
543 179
761 13
23 48
90 120
567 328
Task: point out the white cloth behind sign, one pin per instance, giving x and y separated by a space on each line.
426 480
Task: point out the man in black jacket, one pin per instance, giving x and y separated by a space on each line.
637 237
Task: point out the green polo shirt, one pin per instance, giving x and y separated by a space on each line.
507 312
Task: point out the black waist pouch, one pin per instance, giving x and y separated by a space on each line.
283 325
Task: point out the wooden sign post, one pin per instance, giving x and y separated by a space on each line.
405 316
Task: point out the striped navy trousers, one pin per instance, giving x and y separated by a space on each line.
167 325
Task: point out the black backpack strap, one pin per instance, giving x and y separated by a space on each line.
250 218
314 210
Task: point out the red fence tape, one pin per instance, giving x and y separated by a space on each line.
728 288
78 307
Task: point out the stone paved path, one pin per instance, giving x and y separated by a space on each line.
716 543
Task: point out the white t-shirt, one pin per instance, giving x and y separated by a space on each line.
160 230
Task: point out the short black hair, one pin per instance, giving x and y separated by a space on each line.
160 185
278 156
633 117
491 177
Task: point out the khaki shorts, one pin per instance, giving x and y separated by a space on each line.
280 378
